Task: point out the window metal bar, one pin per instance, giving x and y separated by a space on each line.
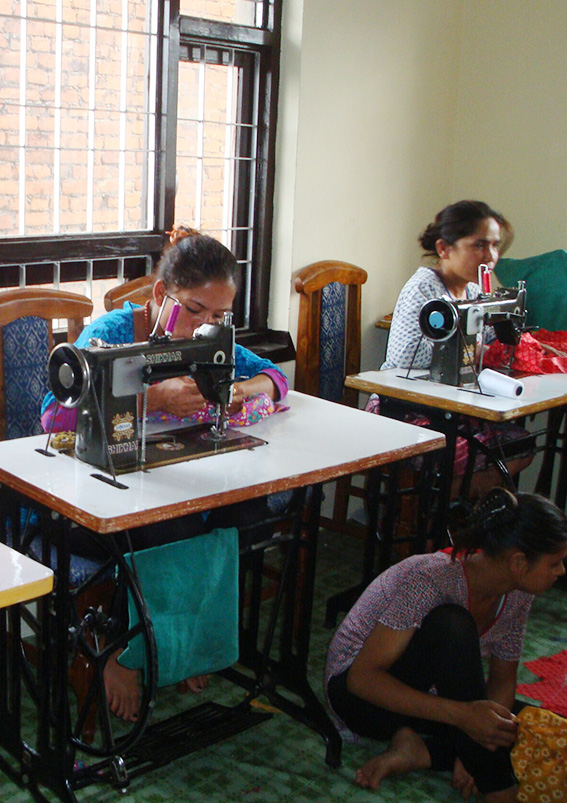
150 106
122 113
22 121
252 195
227 206
147 201
89 278
91 118
56 194
200 136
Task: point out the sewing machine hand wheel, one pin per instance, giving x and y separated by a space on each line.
438 319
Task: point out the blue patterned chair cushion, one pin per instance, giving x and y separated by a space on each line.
26 351
332 345
25 355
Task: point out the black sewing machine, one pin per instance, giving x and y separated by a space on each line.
107 385
453 327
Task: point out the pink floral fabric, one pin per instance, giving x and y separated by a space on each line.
254 409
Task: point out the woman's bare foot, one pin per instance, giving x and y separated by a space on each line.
407 752
122 689
195 685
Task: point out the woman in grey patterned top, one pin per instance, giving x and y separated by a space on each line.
405 664
463 236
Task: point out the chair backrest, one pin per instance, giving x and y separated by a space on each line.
545 276
138 291
26 340
328 334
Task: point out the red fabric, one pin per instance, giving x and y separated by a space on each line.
530 357
551 690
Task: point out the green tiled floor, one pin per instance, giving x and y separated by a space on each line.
280 760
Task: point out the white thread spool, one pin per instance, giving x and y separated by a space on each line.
499 384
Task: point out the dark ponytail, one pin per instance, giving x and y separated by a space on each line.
501 520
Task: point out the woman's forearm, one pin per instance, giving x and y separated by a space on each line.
487 722
261 383
385 691
502 680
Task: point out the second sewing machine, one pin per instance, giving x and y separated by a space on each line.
455 328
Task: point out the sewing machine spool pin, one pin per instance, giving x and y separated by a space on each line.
484 280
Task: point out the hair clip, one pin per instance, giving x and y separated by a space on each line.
179 233
497 507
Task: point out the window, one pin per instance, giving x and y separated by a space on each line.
79 120
226 96
122 117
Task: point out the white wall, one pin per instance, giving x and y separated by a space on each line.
365 101
511 126
389 110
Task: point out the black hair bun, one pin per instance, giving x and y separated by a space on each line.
497 509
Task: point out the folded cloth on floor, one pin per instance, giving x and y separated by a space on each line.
539 756
551 689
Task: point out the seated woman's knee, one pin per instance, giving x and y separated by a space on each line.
451 622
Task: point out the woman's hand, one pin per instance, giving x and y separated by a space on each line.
238 396
261 383
181 397
178 396
490 724
462 781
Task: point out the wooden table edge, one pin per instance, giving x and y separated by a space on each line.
26 592
116 524
365 386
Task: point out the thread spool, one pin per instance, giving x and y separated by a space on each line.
499 384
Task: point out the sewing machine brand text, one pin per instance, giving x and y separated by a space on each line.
168 356
122 448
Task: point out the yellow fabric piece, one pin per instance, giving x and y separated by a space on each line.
539 756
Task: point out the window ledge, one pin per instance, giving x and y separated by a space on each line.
270 344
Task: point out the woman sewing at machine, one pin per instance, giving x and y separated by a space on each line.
200 273
405 664
463 236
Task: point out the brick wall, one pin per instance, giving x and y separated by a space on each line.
84 127
77 159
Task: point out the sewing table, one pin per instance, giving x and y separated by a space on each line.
313 442
401 391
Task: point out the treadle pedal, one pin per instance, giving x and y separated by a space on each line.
188 731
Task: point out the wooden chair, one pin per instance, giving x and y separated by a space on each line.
26 340
328 348
27 318
138 291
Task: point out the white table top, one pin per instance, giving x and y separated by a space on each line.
21 578
312 442
540 393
